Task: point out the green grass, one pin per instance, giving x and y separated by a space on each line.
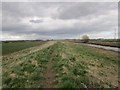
71 65
68 75
17 46
25 72
96 40
74 66
109 40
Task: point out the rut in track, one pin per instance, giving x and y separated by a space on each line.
48 82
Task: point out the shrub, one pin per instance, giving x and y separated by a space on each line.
85 38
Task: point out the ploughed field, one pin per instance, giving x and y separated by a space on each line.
57 64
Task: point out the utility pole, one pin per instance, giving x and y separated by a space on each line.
115 34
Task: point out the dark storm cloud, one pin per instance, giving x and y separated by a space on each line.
36 21
58 19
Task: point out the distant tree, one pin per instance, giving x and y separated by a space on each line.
85 38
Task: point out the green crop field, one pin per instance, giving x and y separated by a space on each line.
16 46
62 65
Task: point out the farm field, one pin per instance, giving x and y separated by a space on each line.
11 47
58 64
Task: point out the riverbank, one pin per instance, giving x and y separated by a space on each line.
115 44
106 42
103 44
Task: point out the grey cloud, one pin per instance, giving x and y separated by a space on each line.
80 10
36 21
13 13
68 10
27 9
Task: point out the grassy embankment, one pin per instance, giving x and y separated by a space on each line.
79 66
104 42
17 46
114 43
74 66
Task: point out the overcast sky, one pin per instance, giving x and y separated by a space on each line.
65 20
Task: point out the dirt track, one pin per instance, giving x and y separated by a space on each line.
29 50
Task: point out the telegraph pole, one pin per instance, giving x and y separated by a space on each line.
115 34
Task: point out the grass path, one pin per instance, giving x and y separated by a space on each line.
48 82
